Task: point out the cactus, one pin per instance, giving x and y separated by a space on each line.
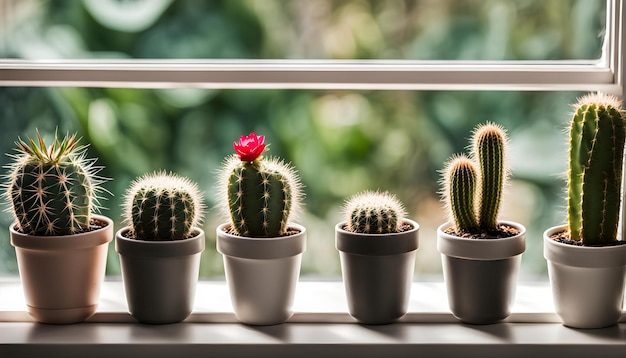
53 190
163 207
371 212
261 194
595 169
482 177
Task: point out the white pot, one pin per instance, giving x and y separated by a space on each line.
262 274
481 274
587 282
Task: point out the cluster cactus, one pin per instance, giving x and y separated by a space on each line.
261 195
596 151
53 190
163 207
372 212
473 185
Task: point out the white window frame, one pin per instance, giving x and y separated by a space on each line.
604 75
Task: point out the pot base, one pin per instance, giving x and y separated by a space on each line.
62 316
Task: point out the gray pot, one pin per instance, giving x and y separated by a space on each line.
160 276
587 282
481 274
62 275
377 272
262 274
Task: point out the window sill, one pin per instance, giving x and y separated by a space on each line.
320 326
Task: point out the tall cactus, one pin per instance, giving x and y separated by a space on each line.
53 189
596 151
371 212
163 207
473 186
262 194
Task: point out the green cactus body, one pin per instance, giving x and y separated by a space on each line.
374 213
461 190
163 207
260 199
597 136
489 143
53 190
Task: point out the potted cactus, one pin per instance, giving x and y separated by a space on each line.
480 254
160 247
377 246
586 261
261 247
60 244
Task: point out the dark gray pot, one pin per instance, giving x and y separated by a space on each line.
262 274
160 276
377 272
481 275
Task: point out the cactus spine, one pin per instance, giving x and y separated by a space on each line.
595 169
163 207
371 212
53 189
262 194
482 177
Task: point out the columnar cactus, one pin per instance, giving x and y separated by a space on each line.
53 190
260 194
464 183
595 169
163 207
371 212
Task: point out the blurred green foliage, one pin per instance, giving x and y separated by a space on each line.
340 141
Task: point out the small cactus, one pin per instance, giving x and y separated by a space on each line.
595 169
371 212
53 190
163 207
481 177
261 195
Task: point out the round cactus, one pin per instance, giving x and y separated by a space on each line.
163 207
371 212
261 195
53 189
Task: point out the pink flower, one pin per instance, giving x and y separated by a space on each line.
250 147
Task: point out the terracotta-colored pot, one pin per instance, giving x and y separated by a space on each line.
61 275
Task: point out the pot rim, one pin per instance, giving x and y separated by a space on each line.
142 248
377 244
482 249
100 236
261 248
581 256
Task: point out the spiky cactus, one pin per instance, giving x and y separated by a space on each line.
595 169
260 194
163 207
480 179
53 190
371 212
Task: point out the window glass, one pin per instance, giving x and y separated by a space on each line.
341 142
302 29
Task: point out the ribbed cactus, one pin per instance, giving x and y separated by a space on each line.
595 169
371 212
53 189
473 187
163 207
261 194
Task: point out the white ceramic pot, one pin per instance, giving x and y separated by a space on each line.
481 274
262 274
587 282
